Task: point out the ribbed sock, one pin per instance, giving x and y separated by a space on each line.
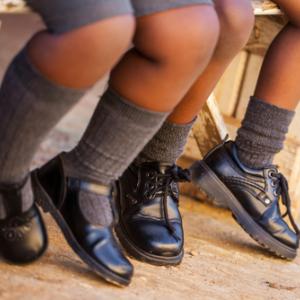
30 106
118 131
167 145
262 133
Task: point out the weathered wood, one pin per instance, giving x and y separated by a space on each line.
248 84
13 6
227 95
266 28
265 7
210 127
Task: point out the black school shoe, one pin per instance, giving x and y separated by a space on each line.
95 245
150 224
252 196
23 237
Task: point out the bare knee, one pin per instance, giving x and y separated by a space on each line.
80 57
237 21
107 38
183 38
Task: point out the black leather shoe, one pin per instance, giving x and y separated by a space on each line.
23 237
95 245
252 196
150 225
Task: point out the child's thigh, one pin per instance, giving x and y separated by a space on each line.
291 9
147 7
65 15
181 34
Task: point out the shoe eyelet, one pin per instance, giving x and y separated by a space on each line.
271 174
150 174
151 186
267 201
273 184
10 235
147 195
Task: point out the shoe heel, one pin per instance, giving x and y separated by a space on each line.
204 178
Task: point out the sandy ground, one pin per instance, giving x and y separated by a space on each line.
221 261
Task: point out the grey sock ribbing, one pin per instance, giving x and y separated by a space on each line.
118 131
30 106
96 208
167 145
262 134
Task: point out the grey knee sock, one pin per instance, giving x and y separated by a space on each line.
167 145
30 106
262 134
118 131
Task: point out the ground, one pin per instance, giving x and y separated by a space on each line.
221 261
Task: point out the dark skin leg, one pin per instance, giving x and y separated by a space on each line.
236 22
77 59
278 83
165 60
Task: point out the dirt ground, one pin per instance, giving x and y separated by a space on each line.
221 261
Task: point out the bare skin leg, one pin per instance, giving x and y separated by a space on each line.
236 22
278 82
166 60
79 58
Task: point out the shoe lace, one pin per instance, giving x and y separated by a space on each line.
160 184
282 190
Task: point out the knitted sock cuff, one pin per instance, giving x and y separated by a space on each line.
262 133
167 145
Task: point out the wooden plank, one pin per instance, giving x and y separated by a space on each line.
13 6
248 84
265 30
265 7
209 128
295 183
227 95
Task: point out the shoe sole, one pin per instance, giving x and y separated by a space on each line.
208 181
45 202
136 252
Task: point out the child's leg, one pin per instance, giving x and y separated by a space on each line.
145 86
271 110
41 84
241 172
236 21
49 75
170 49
